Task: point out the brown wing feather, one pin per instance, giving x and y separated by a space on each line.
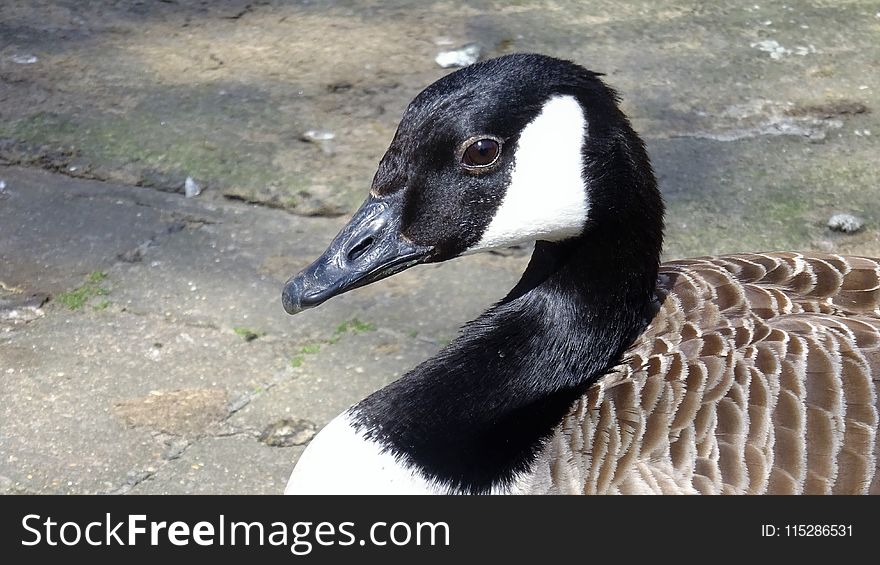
757 375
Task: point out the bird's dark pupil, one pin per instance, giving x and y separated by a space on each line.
483 152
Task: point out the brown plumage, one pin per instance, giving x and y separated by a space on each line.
758 375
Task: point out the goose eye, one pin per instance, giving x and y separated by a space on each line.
481 153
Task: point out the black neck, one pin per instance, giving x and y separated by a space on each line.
477 414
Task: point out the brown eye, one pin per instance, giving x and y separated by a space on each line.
481 153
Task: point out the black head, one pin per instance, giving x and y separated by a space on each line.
502 152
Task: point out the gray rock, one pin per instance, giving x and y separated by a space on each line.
321 138
23 59
461 57
288 432
191 188
845 223
21 309
314 135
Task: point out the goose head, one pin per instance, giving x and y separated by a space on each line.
511 150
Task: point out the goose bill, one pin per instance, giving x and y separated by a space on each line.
369 248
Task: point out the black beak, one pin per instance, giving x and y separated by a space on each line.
370 247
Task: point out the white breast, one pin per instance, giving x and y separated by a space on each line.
340 460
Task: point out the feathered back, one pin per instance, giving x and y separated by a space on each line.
758 375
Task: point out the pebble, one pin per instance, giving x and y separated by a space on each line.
321 138
288 432
845 223
461 57
23 59
318 135
773 47
777 51
191 188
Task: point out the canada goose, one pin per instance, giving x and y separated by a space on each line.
602 371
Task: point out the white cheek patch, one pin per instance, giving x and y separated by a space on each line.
546 198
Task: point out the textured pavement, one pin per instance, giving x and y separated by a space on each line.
143 347
175 371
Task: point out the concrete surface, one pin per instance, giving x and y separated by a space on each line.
143 347
168 376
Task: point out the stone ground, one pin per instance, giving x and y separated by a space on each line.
143 348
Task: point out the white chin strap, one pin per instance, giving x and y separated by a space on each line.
547 197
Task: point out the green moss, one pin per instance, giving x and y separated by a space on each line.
74 299
350 326
307 349
78 297
247 334
101 305
192 130
297 361
355 326
44 128
169 142
311 348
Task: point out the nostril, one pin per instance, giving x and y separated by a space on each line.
360 249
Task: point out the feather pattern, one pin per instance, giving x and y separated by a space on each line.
756 376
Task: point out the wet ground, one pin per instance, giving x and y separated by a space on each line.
142 344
